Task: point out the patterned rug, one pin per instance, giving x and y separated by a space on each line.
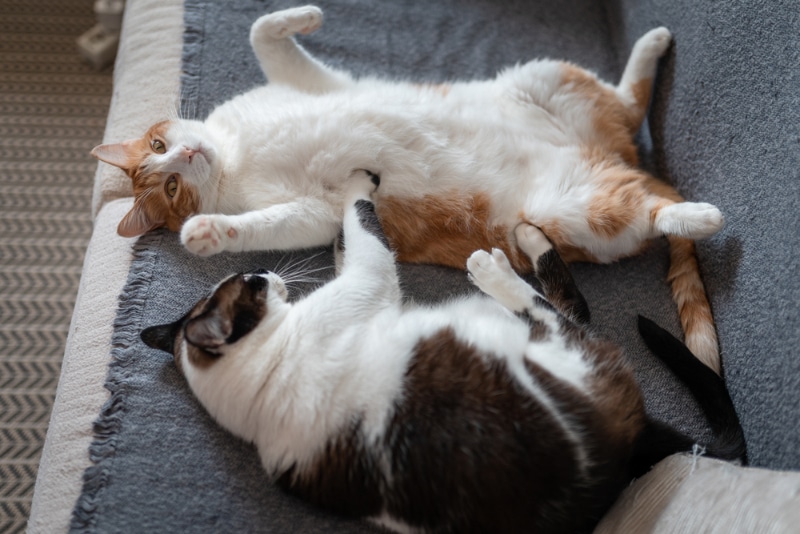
52 112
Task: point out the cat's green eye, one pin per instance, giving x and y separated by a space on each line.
159 146
172 186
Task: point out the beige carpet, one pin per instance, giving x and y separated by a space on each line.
52 112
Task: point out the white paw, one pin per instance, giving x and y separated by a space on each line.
206 235
493 275
693 220
532 241
283 24
361 184
655 42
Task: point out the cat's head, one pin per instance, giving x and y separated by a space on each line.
169 166
233 310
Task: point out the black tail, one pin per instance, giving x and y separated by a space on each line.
659 440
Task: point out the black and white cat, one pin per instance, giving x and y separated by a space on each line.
499 413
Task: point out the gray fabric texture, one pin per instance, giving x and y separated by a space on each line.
725 125
163 465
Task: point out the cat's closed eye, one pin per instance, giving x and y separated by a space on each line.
171 186
158 146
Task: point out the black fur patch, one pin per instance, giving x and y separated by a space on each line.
706 386
559 287
339 242
472 451
344 477
234 309
162 337
250 308
539 331
369 220
374 178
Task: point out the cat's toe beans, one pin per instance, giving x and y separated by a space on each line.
479 261
204 235
501 260
313 20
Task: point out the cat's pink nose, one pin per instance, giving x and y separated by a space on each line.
189 153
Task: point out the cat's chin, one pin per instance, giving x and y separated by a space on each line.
203 167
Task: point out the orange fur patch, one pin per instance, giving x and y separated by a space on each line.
641 92
137 150
612 120
665 193
159 208
564 245
153 207
445 229
620 196
693 306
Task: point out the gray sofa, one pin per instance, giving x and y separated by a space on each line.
128 448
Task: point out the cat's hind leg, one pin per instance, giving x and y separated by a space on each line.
493 274
636 84
286 62
552 272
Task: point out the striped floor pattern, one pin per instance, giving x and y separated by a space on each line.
52 112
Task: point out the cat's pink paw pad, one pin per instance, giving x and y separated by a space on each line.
492 273
486 269
205 235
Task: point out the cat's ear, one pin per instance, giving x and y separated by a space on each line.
161 337
137 222
211 330
117 154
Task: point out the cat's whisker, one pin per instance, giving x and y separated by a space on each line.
298 271
293 261
284 262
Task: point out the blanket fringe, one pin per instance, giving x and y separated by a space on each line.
107 426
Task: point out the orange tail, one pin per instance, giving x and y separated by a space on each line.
694 309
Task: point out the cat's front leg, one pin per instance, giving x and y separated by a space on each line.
306 222
283 60
362 241
363 252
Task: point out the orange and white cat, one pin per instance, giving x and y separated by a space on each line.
461 165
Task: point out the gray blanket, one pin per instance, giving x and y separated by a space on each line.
161 464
